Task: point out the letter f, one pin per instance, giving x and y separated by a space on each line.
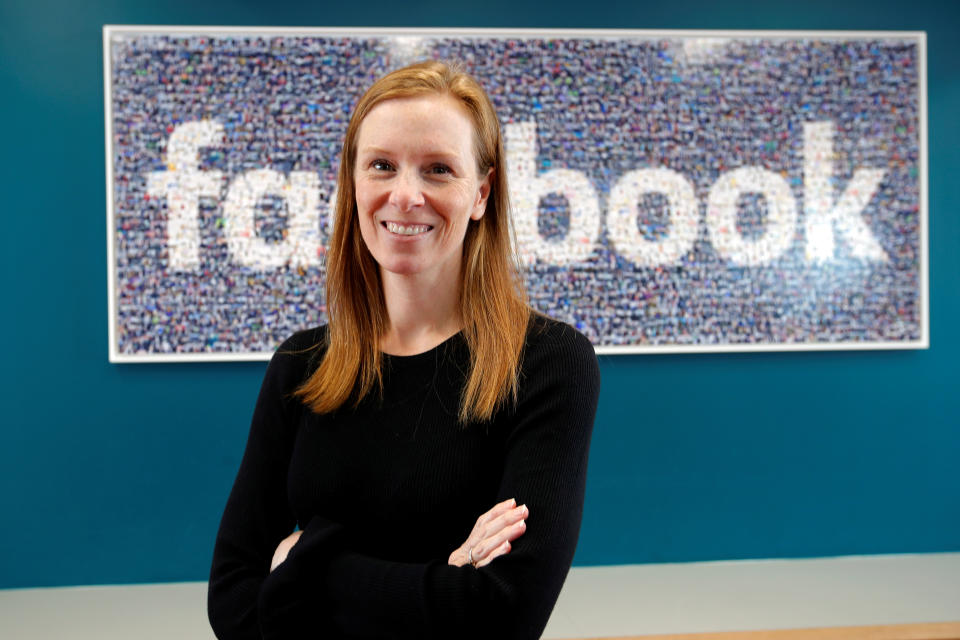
183 184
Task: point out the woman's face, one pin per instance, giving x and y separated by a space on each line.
417 186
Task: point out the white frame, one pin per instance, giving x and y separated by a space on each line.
923 343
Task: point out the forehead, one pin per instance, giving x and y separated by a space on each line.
431 120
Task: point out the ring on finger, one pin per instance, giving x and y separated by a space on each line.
470 557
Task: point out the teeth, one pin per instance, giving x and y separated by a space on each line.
408 230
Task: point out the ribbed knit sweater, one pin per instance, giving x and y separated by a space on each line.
385 491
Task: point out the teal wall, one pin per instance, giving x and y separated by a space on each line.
118 473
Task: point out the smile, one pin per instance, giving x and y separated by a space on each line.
407 230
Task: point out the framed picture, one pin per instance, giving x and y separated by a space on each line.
671 190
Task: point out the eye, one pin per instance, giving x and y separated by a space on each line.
381 165
440 170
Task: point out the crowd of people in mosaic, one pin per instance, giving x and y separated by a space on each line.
595 110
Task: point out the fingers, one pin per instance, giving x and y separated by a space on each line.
492 535
497 511
280 555
502 550
498 544
507 519
494 538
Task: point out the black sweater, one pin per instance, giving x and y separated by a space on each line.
384 492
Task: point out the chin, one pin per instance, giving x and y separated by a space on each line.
401 267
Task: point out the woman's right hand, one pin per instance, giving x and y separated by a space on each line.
280 555
492 535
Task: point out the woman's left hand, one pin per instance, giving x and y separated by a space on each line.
284 548
492 535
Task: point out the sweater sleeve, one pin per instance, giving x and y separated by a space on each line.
257 515
545 463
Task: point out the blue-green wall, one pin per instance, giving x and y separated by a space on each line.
117 473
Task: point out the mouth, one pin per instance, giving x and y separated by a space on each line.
406 229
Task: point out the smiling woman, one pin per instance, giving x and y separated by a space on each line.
417 188
416 468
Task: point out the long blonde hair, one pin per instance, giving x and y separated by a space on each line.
493 305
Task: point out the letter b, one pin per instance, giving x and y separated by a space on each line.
526 190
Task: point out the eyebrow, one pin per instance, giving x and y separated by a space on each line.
439 155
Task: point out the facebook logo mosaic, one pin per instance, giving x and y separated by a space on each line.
667 192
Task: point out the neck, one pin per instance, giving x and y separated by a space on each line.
423 312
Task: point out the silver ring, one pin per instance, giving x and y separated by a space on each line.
470 557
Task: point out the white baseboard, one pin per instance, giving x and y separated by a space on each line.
702 597
596 601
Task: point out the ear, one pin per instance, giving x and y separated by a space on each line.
483 192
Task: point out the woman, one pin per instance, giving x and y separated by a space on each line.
433 396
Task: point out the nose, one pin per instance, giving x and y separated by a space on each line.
406 194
